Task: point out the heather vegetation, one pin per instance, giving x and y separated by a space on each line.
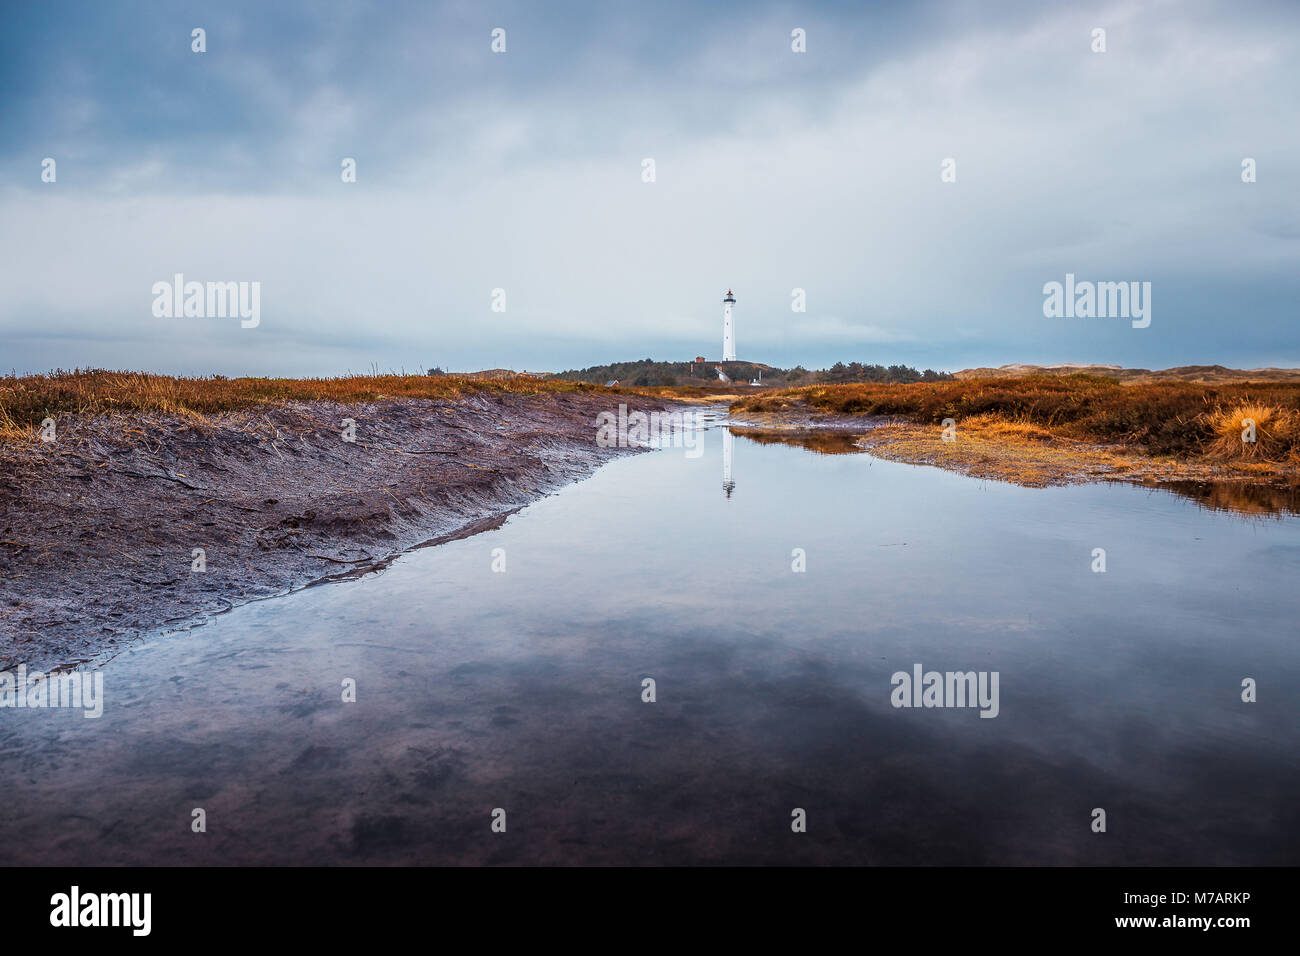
1182 419
26 400
1165 418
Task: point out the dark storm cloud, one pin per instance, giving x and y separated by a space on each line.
522 171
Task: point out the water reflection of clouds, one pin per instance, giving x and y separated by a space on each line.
522 690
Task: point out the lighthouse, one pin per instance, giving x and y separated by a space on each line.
728 329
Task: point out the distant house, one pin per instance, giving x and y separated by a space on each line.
611 383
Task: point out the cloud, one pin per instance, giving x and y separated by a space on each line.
774 171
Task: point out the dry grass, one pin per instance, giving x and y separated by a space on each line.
988 447
994 427
691 394
26 400
10 430
1274 432
1178 419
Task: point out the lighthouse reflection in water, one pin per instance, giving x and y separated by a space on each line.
728 444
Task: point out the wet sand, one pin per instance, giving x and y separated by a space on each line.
99 529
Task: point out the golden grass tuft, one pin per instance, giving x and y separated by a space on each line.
1275 432
10 430
994 427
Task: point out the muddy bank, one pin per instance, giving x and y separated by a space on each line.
99 529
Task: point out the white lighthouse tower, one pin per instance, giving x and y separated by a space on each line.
728 329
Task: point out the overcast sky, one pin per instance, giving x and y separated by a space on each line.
522 170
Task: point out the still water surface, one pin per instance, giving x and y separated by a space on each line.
522 690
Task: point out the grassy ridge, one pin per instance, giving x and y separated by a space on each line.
26 400
1162 418
1167 418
